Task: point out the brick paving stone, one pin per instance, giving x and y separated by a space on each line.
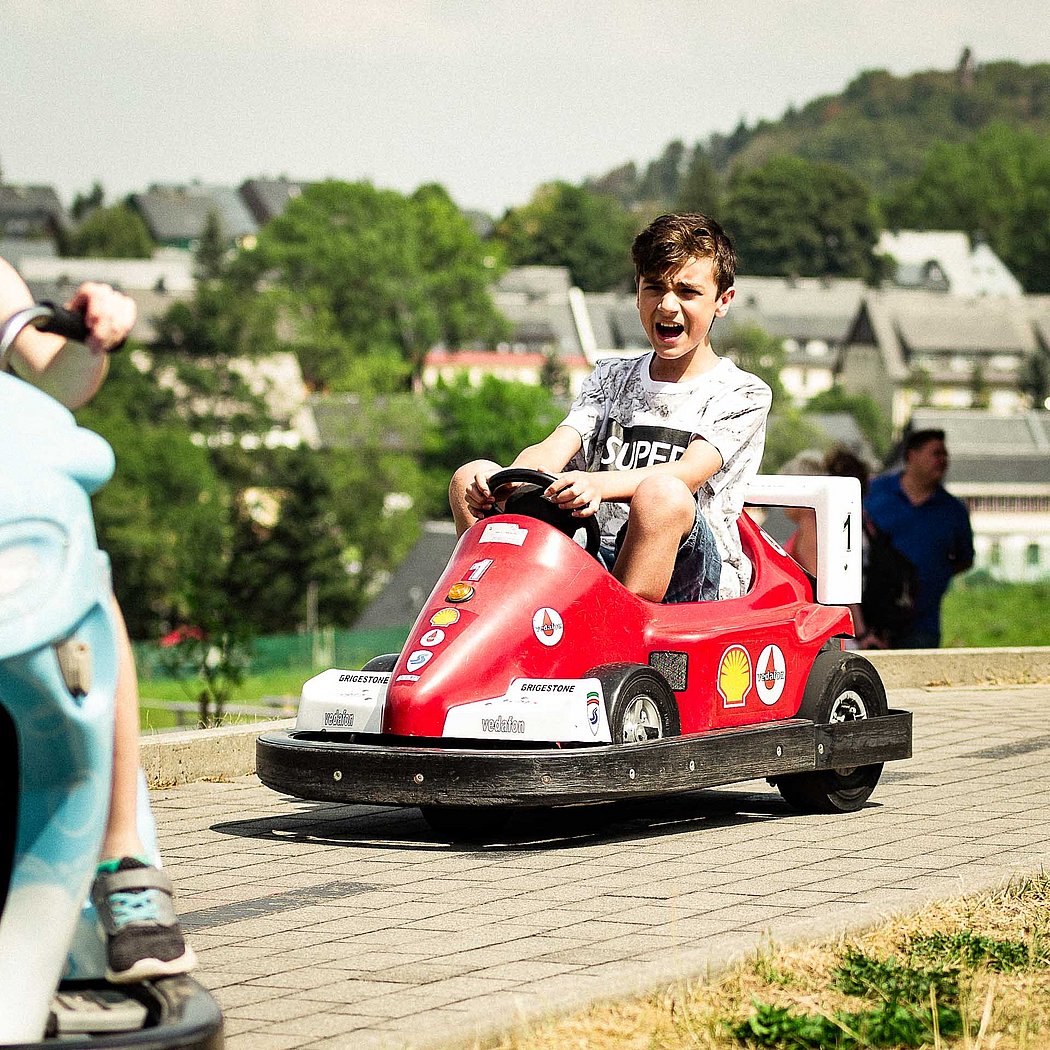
327 926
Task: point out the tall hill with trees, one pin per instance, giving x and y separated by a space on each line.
880 128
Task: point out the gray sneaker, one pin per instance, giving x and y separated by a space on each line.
143 938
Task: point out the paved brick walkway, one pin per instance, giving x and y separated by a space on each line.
348 926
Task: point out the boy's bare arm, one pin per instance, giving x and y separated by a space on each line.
552 453
583 491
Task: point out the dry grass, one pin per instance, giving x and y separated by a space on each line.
1002 1009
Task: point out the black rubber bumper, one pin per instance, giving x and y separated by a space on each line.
181 1015
328 769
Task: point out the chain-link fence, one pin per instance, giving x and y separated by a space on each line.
313 650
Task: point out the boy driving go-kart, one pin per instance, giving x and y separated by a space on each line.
534 676
672 438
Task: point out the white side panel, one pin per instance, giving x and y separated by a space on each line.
836 502
549 709
343 701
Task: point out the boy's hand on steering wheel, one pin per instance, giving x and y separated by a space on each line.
576 490
478 495
109 315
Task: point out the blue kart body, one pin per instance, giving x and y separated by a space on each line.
58 672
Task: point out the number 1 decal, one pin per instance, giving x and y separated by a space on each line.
477 570
846 530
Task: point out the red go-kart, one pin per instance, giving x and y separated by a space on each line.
533 678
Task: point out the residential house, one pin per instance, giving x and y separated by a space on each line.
906 348
32 220
267 198
947 261
549 321
176 216
1000 468
810 316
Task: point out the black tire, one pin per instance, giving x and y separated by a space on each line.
382 663
465 823
638 702
842 687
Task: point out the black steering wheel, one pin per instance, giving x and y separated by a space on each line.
530 501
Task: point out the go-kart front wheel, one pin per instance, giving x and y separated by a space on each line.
842 687
638 702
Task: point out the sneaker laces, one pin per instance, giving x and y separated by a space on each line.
137 906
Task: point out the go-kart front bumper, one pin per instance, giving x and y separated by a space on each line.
178 1014
323 767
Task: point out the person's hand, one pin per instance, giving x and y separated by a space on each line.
479 495
576 490
109 315
871 640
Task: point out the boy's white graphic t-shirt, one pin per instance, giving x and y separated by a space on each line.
650 423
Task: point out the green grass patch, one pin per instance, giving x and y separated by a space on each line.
909 1006
978 613
966 974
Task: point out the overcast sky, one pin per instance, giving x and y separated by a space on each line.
489 97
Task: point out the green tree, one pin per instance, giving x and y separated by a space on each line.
864 409
754 350
494 420
164 516
116 232
996 186
700 188
84 203
791 216
788 433
211 249
298 540
662 180
565 225
364 281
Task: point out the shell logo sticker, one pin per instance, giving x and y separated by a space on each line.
547 626
734 676
432 638
444 618
418 659
770 675
593 716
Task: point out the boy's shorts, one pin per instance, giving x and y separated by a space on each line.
697 566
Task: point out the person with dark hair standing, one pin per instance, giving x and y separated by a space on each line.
928 525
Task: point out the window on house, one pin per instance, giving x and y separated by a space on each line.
995 553
1031 555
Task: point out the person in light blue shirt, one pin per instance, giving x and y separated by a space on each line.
928 525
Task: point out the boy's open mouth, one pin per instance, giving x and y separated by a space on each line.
668 331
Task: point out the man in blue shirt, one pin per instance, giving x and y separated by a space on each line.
930 527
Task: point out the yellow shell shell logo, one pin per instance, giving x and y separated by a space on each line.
734 676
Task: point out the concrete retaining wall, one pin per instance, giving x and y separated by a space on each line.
214 754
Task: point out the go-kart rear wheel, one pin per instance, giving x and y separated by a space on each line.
465 823
638 702
842 687
382 663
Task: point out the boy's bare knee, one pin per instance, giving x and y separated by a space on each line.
463 477
663 501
